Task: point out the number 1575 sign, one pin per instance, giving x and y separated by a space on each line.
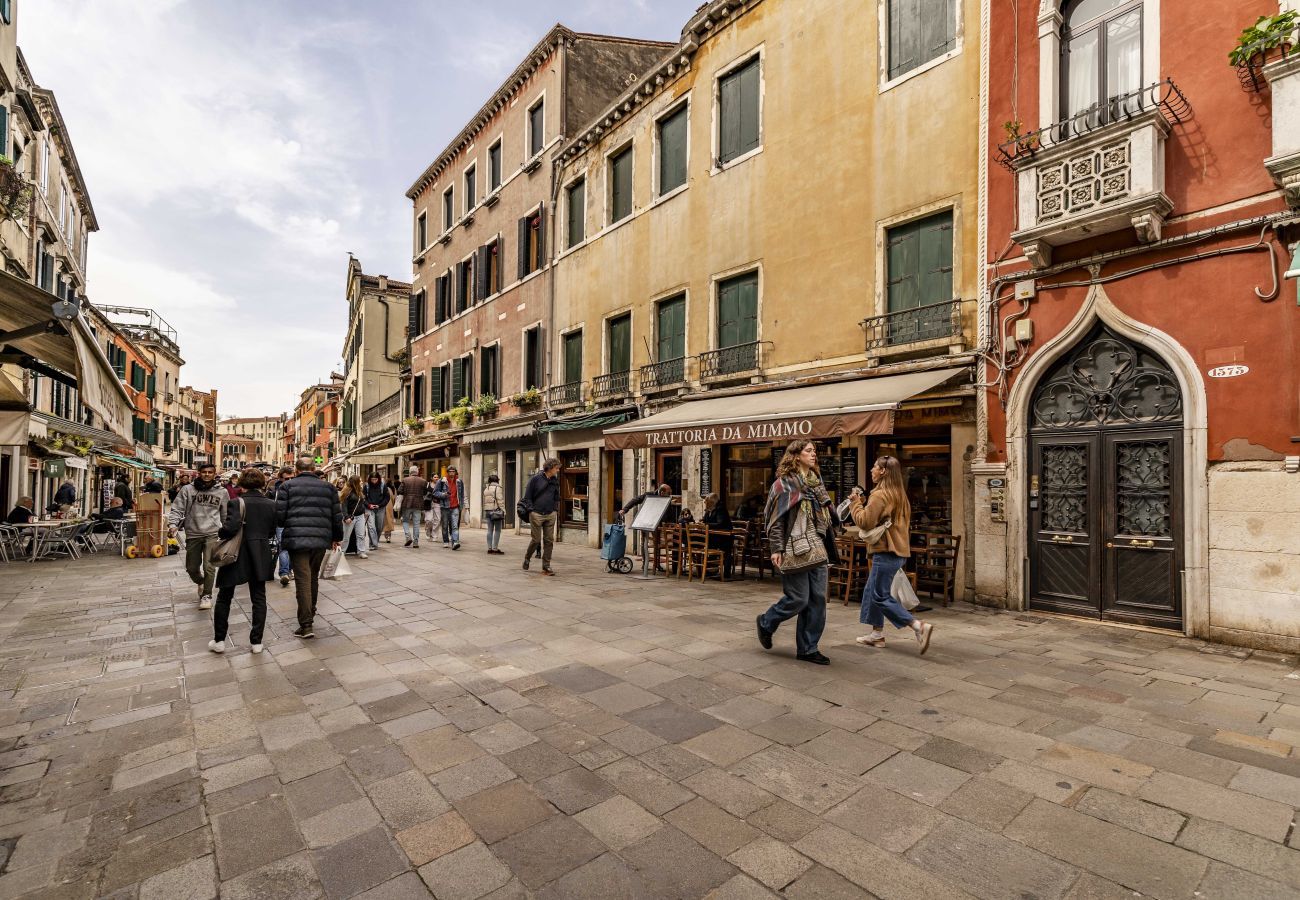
1228 371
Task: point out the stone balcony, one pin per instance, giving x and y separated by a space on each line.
1099 172
1283 77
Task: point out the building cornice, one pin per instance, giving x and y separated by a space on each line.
49 108
708 21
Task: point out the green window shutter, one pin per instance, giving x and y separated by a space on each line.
4 126
435 390
153 386
541 237
738 100
672 329
620 168
467 376
577 211
936 259
523 246
919 262
573 357
672 151
620 344
738 311
457 382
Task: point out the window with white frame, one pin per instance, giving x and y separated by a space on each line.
471 188
494 166
671 134
1101 59
919 31
536 128
448 209
620 185
576 210
738 110
421 232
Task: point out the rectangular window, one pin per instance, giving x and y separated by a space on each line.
738 112
919 31
494 166
448 209
672 150
462 379
918 262
464 284
536 128
620 185
490 268
416 314
471 191
576 210
533 358
620 343
6 11
489 371
442 298
572 357
437 389
417 395
671 328
4 133
531 242
738 310
421 232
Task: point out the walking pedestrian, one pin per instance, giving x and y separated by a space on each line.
378 496
412 494
175 489
390 520
232 485
65 497
283 570
199 511
494 512
432 512
450 497
887 503
353 503
799 519
308 510
542 500
254 512
123 490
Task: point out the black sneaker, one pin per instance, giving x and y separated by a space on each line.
815 658
764 636
525 564
284 581
304 632
408 542
456 546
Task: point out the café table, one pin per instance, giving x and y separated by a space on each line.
39 529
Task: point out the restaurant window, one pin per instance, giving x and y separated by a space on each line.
620 185
573 356
738 111
672 150
533 358
620 343
494 166
576 210
927 472
575 480
919 31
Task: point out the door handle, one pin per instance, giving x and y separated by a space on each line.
1137 543
1062 539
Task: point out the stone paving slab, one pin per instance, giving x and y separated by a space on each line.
463 729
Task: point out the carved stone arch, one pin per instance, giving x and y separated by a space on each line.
1098 308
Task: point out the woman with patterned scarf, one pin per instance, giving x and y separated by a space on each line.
799 519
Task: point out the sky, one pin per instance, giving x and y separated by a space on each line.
235 152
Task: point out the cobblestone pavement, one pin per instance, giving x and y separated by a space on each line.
463 729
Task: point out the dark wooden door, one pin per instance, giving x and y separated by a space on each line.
510 479
1063 503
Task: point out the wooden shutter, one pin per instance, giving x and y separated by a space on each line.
738 311
919 262
541 237
413 315
729 125
480 274
523 246
935 254
577 209
620 344
417 395
621 178
672 151
748 107
457 383
4 125
152 390
902 261
467 375
905 40
672 329
573 357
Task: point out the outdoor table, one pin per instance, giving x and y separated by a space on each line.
38 527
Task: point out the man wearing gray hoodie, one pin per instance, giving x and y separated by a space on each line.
199 510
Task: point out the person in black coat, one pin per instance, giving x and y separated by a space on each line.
309 512
720 534
542 500
254 567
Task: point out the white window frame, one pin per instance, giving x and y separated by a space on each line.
630 146
422 217
523 356
715 282
501 374
715 126
568 211
882 30
470 203
448 210
500 142
529 156
684 292
684 103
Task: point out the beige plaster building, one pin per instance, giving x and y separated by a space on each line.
373 355
482 290
265 431
747 250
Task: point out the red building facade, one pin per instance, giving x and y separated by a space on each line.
1137 461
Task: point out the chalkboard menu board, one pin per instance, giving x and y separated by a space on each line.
706 471
848 470
829 464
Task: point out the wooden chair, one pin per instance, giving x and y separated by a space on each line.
936 566
700 556
670 545
739 548
756 546
840 576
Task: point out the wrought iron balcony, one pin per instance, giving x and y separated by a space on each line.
1100 171
662 375
611 385
564 394
935 322
726 362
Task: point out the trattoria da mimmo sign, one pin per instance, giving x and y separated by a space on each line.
756 431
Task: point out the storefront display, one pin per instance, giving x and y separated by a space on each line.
575 478
927 470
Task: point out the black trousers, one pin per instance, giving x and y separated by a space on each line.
221 611
306 581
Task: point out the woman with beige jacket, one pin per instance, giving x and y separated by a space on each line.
887 502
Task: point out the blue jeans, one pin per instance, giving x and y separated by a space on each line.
878 603
411 523
803 595
283 567
494 533
451 525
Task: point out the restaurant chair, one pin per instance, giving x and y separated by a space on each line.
756 546
739 548
936 566
671 546
700 556
840 575
10 545
60 541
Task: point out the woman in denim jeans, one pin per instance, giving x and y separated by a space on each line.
887 502
494 513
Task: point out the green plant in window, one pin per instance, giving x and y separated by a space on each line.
462 413
528 398
15 192
485 405
1268 33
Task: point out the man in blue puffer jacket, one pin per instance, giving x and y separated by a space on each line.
308 510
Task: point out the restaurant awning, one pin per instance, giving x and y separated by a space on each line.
864 406
67 426
500 433
65 344
13 413
389 456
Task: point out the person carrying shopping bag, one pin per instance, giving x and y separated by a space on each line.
800 520
355 513
886 506
254 513
377 498
494 512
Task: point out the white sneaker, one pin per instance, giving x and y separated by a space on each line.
205 602
256 648
874 639
217 646
363 556
923 636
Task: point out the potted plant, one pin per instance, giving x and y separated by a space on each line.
1269 38
1022 143
462 413
485 407
415 423
441 419
527 399
15 192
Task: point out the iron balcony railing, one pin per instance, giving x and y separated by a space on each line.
565 394
382 416
731 360
664 374
612 384
920 323
1163 97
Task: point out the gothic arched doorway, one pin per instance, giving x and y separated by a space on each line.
1105 485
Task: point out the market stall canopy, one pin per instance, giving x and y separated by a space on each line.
65 344
864 406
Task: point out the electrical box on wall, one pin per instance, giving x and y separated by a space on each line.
997 499
1025 290
1024 331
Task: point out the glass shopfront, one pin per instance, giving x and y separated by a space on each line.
748 471
575 479
927 470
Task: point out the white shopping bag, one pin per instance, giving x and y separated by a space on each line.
903 592
335 565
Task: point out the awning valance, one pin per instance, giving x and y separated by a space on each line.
500 433
864 406
580 422
67 426
69 346
409 449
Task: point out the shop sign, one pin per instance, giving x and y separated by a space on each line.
54 468
706 471
1228 371
848 469
757 431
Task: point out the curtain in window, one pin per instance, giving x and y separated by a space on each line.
1124 57
1081 72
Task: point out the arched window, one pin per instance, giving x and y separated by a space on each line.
1101 58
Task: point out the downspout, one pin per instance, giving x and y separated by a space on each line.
555 188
